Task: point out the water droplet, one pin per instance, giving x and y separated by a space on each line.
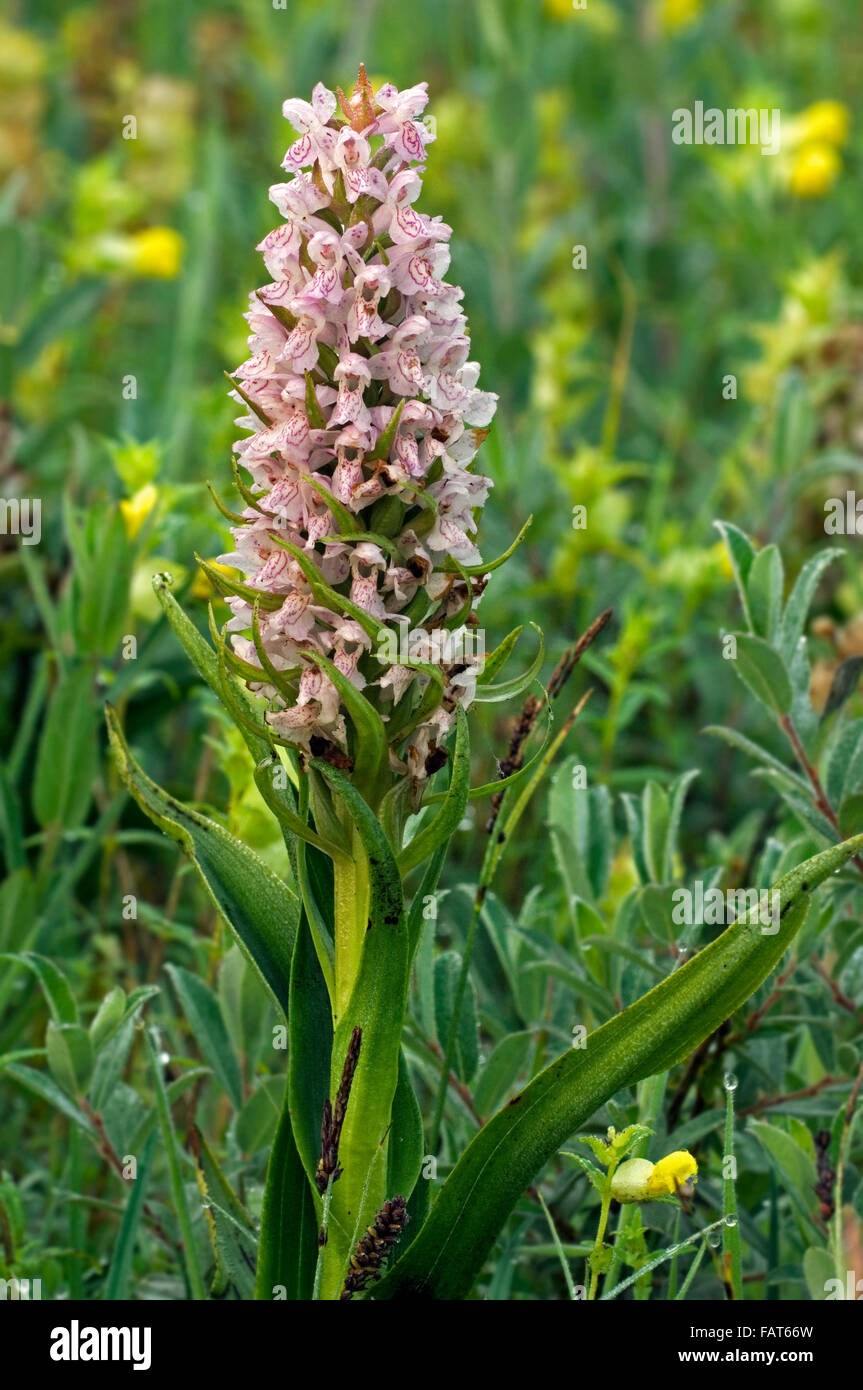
713 1239
731 1220
164 1058
729 1081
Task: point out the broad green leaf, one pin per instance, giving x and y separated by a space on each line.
67 758
201 1008
850 814
741 553
310 1018
17 910
764 590
204 659
655 822
288 1241
845 682
440 830
257 1121
232 1230
261 910
762 669
582 818
69 1053
795 1166
465 1057
102 584
116 1285
244 1002
110 1063
11 826
754 750
108 1016
57 993
845 766
658 1031
406 1144
677 797
801 596
818 1268
499 1073
376 1005
44 1086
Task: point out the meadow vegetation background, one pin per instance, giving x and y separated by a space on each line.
127 263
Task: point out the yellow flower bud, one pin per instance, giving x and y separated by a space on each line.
137 508
631 1181
814 171
157 252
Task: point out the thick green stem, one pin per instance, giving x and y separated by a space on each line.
351 916
371 971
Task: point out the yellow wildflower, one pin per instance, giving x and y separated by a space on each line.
137 508
157 252
202 586
825 121
814 171
672 1172
639 1180
676 14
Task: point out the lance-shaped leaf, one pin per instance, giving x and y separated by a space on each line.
288 1244
451 812
235 588
376 1005
797 607
204 1015
316 416
487 566
505 690
204 659
235 518
498 658
761 668
271 781
662 1028
345 519
501 783
260 908
280 680
381 450
324 594
232 1231
371 758
247 399
246 493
